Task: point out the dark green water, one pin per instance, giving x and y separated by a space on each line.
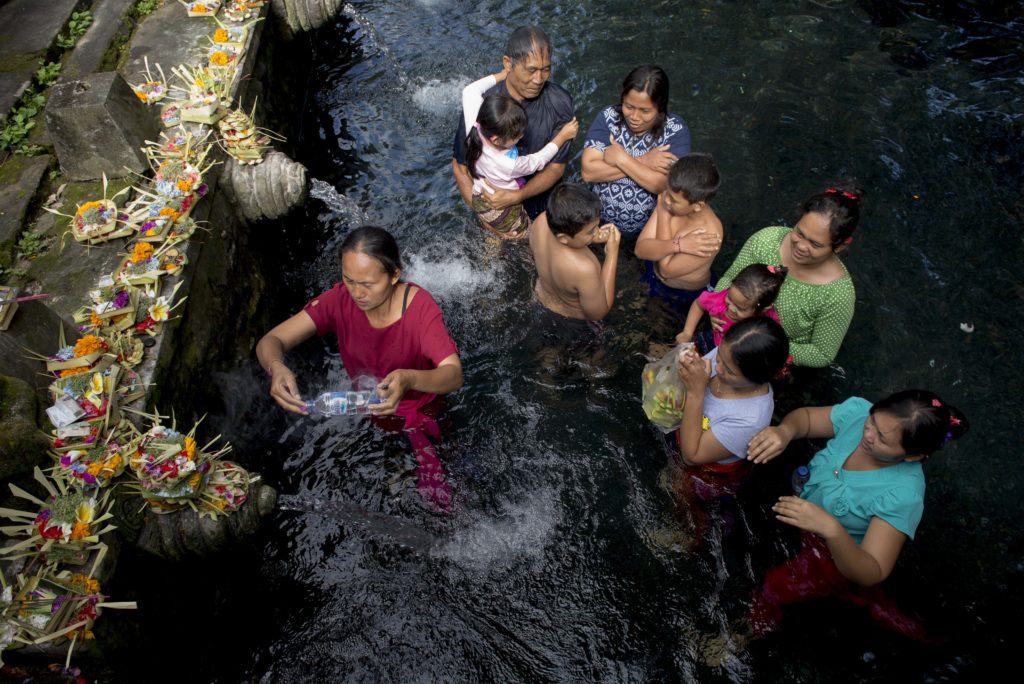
553 565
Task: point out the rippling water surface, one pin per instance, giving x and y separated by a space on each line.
565 558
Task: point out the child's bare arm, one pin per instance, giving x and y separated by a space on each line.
692 319
597 294
655 240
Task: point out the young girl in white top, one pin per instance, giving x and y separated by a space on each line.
494 125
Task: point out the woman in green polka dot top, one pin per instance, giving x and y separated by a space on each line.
815 303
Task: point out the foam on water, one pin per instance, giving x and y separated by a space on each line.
440 97
452 278
520 532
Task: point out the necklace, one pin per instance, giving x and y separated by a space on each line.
732 392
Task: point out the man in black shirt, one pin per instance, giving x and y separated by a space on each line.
548 107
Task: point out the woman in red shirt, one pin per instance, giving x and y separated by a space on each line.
386 328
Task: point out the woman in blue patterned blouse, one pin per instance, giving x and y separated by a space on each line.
630 147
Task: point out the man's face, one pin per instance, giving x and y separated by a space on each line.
526 78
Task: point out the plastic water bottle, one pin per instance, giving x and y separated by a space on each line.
799 479
342 403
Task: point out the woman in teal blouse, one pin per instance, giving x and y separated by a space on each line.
863 500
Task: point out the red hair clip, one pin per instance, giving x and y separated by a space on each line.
771 269
936 403
954 421
850 196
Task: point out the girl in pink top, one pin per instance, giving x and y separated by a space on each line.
494 125
752 293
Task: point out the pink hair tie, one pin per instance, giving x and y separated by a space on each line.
771 269
936 403
476 125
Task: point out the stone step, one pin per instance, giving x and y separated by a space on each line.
29 29
108 20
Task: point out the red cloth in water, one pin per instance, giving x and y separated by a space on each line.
813 574
422 430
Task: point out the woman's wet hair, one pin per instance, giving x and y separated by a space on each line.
926 420
653 81
760 283
759 348
571 207
695 177
841 205
525 41
499 115
375 242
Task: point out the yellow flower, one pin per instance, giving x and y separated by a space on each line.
142 251
220 58
95 320
94 468
160 311
199 9
190 448
184 185
220 36
89 205
80 530
705 424
141 95
194 480
85 513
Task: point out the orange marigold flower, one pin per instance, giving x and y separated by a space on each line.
220 36
142 251
167 211
190 448
80 530
199 9
95 320
184 185
141 95
94 468
67 372
220 58
88 345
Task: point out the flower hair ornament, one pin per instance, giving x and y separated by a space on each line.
844 193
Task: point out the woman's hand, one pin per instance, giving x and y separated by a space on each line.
698 243
284 390
768 443
615 153
391 390
659 159
805 515
694 371
499 198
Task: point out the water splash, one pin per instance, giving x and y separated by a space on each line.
454 277
374 38
440 97
520 532
344 208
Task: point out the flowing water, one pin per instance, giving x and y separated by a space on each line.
565 557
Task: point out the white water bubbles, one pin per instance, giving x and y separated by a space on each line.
440 98
521 531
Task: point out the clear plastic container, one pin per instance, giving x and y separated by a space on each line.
342 403
799 479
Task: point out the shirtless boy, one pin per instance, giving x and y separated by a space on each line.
570 279
684 234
